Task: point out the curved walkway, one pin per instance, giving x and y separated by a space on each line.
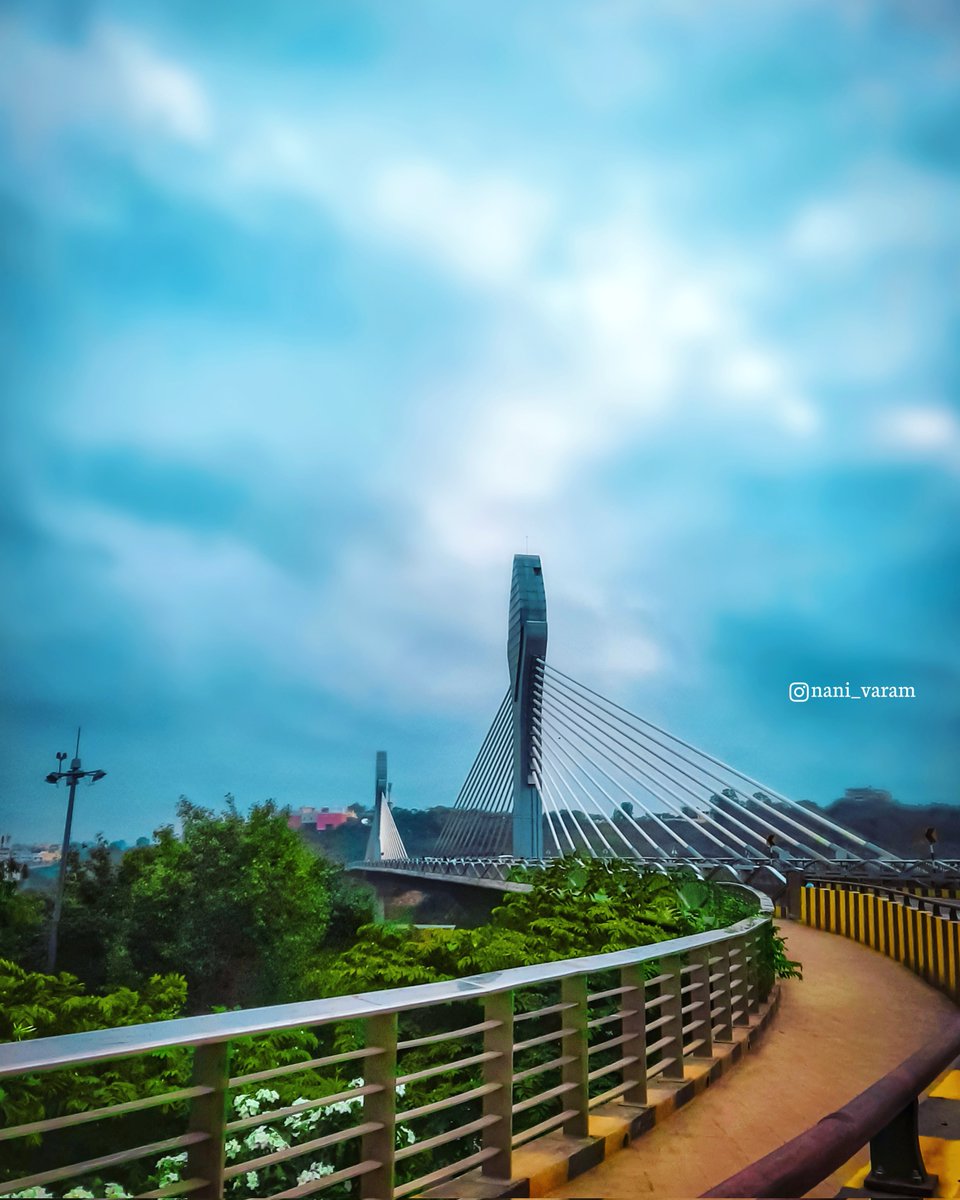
854 1016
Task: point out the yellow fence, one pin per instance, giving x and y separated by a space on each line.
921 932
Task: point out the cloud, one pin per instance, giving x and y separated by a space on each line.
920 431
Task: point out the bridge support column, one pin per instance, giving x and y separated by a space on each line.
526 646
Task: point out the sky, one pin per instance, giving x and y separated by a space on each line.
311 316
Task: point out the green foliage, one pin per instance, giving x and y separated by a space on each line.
22 917
238 904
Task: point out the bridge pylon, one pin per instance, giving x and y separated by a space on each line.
526 649
384 840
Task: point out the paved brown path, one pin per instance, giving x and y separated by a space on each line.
854 1016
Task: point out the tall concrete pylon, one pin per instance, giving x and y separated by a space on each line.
384 840
526 644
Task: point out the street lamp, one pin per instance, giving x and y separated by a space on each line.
72 775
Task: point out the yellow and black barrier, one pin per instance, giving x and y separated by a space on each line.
921 932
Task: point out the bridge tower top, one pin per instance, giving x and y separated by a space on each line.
384 840
526 648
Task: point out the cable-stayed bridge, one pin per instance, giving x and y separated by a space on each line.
564 770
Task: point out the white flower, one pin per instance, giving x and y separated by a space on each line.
268 1095
401 1090
115 1191
246 1106
232 1148
265 1138
79 1193
315 1171
253 1180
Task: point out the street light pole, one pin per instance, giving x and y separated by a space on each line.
73 776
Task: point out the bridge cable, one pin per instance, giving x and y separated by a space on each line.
672 835
493 734
850 836
777 814
710 799
661 791
495 760
677 804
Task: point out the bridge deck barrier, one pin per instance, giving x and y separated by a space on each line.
525 1051
921 930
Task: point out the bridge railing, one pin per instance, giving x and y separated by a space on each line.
523 1052
885 1116
922 932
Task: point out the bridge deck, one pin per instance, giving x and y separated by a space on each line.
854 1016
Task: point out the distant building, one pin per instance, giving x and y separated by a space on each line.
319 818
869 794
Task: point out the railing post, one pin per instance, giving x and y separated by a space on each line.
751 947
896 1163
208 1114
671 1008
634 1028
700 975
380 1106
721 963
499 1071
573 991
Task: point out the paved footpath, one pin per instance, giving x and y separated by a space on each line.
854 1016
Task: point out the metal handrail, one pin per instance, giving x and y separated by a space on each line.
496 1059
76 1049
799 1165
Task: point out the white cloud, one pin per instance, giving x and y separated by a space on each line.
924 431
486 227
157 90
115 79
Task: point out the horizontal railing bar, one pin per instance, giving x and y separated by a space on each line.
617 991
688 968
611 1093
526 1135
714 995
326 1181
542 1039
264 1118
75 1049
454 1066
736 1012
464 1164
543 1012
617 1016
542 1097
662 1065
655 1002
610 1043
467 1031
552 1065
95 1114
715 976
309 1065
690 987
689 1008
106 1160
183 1187
301 1148
599 1072
664 1041
658 978
695 1045
451 1135
447 1102
659 1022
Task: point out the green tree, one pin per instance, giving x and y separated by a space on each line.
22 915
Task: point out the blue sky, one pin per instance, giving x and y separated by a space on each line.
312 316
